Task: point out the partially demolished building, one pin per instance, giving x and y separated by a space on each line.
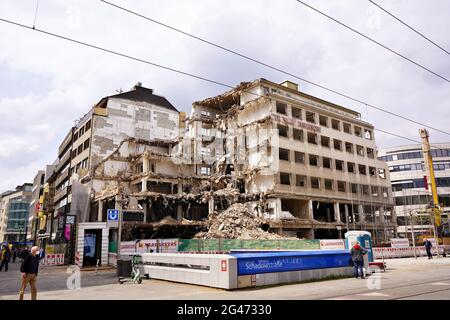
305 166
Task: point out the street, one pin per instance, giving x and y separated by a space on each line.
405 278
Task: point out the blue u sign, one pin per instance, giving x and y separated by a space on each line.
113 214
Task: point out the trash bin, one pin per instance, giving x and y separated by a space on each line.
119 268
126 268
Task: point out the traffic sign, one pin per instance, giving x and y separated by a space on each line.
113 214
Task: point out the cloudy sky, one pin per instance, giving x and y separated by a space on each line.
47 83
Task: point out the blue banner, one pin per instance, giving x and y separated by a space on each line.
255 263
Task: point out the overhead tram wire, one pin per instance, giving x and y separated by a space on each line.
157 65
273 67
408 26
375 41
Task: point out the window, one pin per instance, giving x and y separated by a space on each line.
281 108
296 113
283 131
374 191
362 169
205 170
337 144
315 183
81 131
88 125
323 121
365 189
310 117
339 164
328 184
358 131
84 163
368 134
313 160
312 138
349 147
74 153
326 162
300 181
285 178
80 149
351 167
341 186
283 154
75 136
299 157
347 127
86 144
372 171
335 124
205 113
360 150
354 187
298 134
324 141
382 173
370 153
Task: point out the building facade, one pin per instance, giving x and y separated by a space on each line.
15 213
410 189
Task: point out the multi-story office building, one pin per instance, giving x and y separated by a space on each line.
318 177
15 212
35 205
410 190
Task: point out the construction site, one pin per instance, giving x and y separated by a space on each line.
261 161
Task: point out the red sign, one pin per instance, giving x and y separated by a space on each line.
223 265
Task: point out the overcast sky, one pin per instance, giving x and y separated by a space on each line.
47 83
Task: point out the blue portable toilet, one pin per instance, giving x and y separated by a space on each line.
363 237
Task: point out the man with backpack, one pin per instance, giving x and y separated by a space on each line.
357 252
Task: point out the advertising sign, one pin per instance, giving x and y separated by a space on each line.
399 243
145 245
335 244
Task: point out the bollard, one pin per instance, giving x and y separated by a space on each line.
96 266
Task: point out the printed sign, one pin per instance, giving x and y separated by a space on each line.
113 214
336 244
399 243
145 245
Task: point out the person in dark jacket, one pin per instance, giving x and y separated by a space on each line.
428 246
29 269
6 256
357 252
14 254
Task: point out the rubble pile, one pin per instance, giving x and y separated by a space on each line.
236 222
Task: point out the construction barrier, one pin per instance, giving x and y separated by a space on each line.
387 253
53 259
214 245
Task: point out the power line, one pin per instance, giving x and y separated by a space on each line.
156 65
407 25
374 41
272 67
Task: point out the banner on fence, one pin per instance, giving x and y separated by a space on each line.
335 244
399 243
146 245
53 259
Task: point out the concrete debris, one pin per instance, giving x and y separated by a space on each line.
236 222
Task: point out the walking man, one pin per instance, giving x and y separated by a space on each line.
29 269
357 252
428 246
6 256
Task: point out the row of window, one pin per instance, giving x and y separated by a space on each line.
423 199
312 117
418 166
81 131
80 148
82 164
313 138
418 183
13 206
329 184
435 153
325 162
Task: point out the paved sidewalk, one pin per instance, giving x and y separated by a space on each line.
405 278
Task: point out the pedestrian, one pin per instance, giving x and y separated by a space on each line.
29 269
428 246
357 252
14 255
6 256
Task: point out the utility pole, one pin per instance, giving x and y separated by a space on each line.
412 234
428 159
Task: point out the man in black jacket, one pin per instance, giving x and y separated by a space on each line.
6 256
29 269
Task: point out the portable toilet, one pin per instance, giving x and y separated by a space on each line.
365 240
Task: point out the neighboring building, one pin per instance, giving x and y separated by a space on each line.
15 212
317 178
36 205
407 170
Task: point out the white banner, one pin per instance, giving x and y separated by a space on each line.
399 243
53 259
146 245
335 244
